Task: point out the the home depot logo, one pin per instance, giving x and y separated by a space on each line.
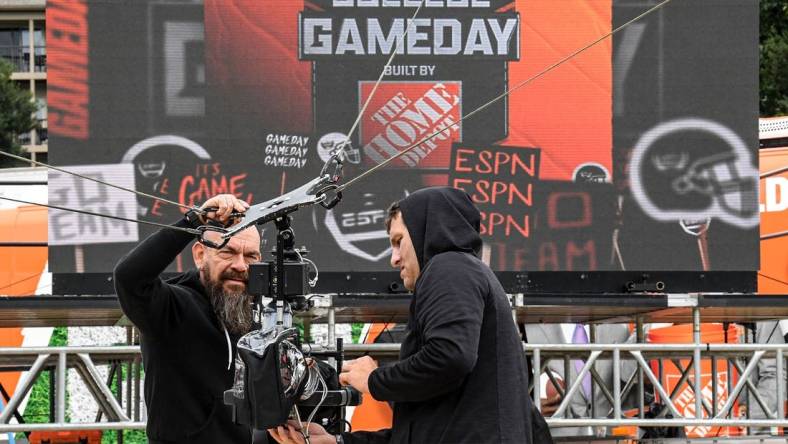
685 401
401 114
774 192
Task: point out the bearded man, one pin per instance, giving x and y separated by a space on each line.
189 326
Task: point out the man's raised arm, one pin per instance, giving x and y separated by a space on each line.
144 297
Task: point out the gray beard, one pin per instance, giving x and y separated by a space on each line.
232 308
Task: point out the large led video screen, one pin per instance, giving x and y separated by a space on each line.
637 153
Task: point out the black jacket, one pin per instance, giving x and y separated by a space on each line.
184 348
461 377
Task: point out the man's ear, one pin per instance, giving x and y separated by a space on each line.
198 253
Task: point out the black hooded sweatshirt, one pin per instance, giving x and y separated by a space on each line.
185 352
461 377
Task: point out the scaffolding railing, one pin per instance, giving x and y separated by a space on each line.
123 411
741 359
119 415
639 363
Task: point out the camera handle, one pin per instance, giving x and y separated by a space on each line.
285 242
285 251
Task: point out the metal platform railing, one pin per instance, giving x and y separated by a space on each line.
84 360
741 361
638 363
123 412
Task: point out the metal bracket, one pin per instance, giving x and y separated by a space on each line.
308 194
682 300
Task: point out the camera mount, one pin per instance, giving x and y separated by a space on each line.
273 377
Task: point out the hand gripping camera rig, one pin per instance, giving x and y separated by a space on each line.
273 377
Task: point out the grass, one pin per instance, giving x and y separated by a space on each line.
129 436
355 331
37 410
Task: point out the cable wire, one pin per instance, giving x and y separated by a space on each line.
617 250
774 172
322 399
499 97
108 216
312 282
382 74
774 235
766 276
342 187
82 176
32 276
303 433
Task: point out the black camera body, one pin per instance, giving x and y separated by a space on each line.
270 389
262 275
296 273
274 381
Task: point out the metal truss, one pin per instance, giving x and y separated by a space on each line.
741 361
633 361
119 414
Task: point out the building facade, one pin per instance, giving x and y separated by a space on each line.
23 44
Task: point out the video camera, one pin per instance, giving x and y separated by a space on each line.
274 379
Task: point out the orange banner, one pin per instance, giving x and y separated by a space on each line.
773 276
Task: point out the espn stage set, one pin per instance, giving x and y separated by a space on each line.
611 146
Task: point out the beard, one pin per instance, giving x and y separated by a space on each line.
232 308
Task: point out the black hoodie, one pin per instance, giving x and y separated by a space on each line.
461 377
185 350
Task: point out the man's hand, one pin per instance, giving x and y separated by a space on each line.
225 204
552 399
290 434
355 373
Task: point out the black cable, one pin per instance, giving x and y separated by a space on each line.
90 213
497 98
20 281
776 324
773 278
81 176
340 188
204 211
385 327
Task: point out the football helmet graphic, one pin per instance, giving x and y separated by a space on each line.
336 141
695 169
158 157
590 172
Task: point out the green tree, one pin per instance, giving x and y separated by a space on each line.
774 58
16 114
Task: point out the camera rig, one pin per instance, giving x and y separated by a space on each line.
274 379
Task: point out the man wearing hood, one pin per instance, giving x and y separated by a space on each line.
461 377
189 326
